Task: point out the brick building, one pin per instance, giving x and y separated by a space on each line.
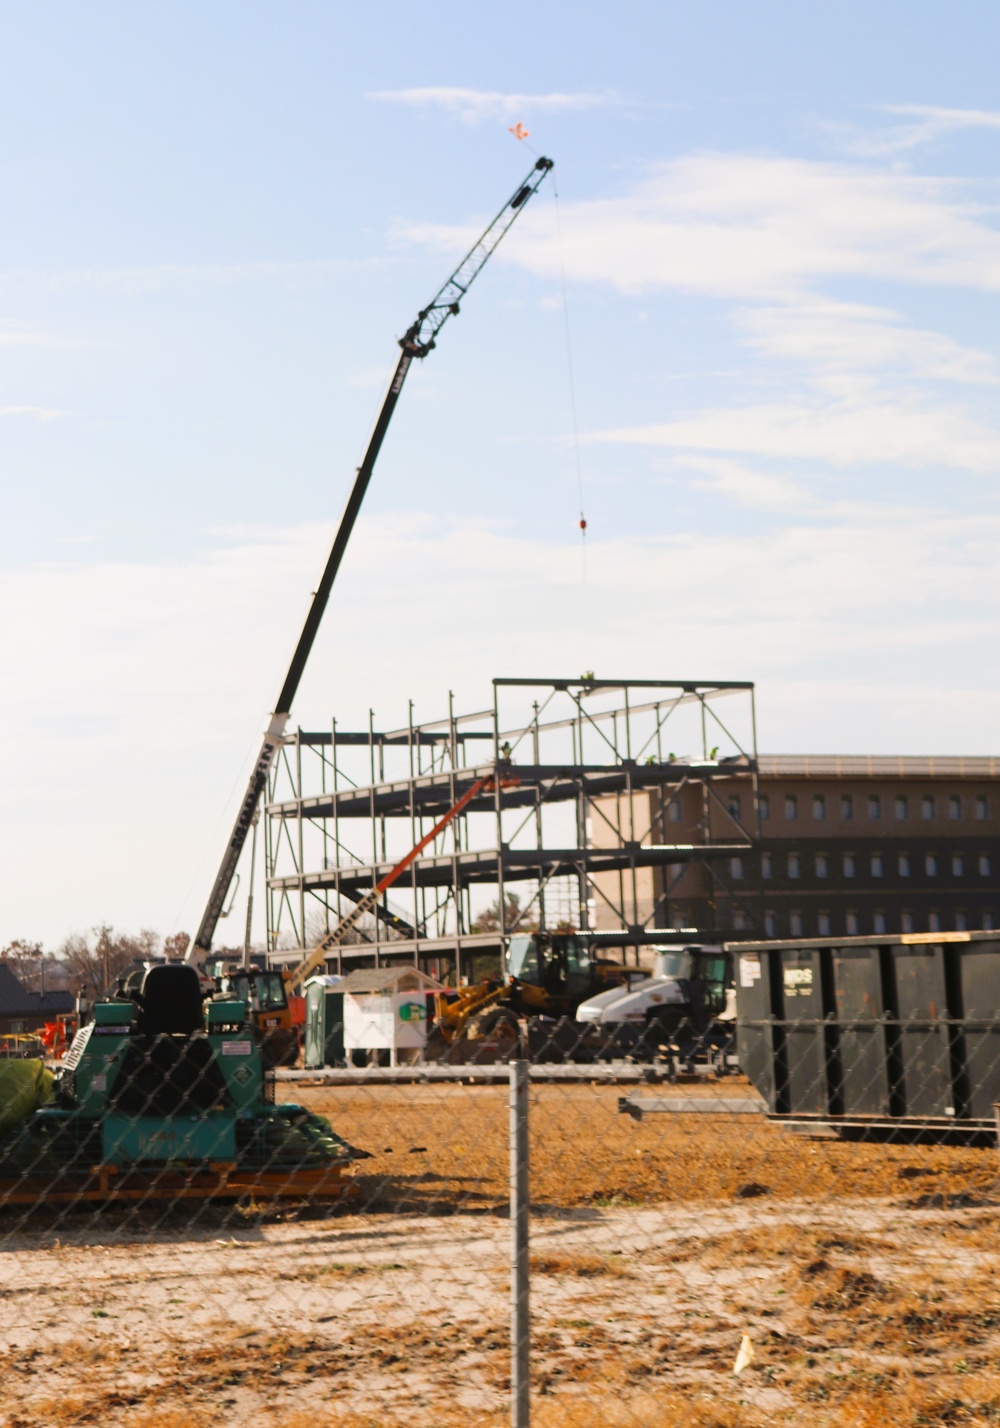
848 845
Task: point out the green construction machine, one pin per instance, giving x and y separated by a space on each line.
164 1095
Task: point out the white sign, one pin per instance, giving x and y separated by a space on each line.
374 1021
749 971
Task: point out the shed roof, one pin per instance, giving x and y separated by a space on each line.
389 979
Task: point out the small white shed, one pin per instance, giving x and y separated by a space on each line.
388 1008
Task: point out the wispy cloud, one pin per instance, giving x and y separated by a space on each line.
19 337
853 337
927 123
746 486
855 430
758 228
481 106
857 384
160 276
41 413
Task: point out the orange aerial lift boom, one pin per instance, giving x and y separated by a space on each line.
316 957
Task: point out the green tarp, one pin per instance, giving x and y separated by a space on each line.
24 1086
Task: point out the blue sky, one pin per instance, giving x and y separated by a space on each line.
780 238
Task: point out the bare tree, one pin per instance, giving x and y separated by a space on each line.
94 965
489 919
36 969
176 945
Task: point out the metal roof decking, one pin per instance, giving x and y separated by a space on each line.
434 793
483 866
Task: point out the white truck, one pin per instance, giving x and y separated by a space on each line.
687 1004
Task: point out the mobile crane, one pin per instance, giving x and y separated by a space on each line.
164 1093
419 340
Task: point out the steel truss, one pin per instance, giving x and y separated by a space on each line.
584 838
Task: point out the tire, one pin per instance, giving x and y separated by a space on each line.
501 1027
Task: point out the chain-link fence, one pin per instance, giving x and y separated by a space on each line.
563 1237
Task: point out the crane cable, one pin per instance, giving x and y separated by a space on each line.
572 381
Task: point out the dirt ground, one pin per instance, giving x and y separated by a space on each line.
865 1277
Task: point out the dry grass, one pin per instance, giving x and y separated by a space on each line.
583 1152
867 1277
584 1266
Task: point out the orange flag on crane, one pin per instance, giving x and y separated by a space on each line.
519 131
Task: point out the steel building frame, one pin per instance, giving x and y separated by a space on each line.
581 758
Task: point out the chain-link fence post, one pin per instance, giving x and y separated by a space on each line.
520 1326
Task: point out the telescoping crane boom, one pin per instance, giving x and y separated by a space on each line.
419 339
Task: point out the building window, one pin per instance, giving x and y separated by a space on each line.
878 923
961 922
954 807
930 867
904 865
957 865
766 866
736 867
791 807
982 808
874 806
988 922
674 810
877 868
933 922
850 866
764 806
769 924
851 924
733 805
927 807
823 924
794 867
819 806
740 920
902 806
795 923
847 805
822 865
906 922
984 865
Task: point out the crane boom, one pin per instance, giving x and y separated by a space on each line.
419 339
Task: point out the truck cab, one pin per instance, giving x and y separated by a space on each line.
690 991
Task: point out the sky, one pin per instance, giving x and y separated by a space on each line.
772 269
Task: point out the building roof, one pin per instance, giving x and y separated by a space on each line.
388 979
16 1000
876 766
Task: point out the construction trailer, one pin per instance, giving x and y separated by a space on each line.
577 832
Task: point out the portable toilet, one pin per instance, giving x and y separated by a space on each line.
324 1039
388 1009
